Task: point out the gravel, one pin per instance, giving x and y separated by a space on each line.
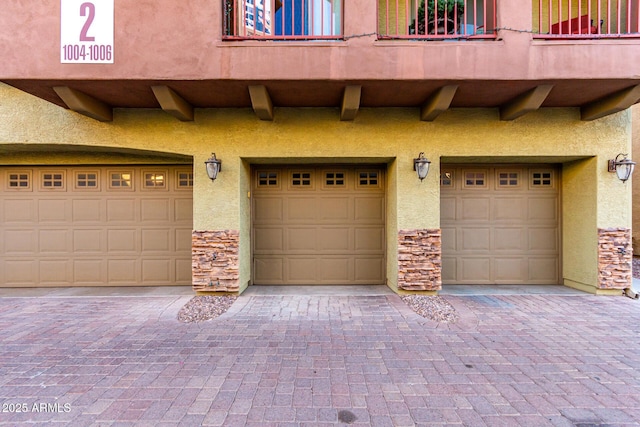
205 307
432 307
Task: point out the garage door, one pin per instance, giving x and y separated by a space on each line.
95 226
500 225
318 225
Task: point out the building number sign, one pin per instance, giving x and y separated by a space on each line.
86 31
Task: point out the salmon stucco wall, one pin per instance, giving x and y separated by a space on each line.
592 198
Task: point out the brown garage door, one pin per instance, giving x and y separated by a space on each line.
318 225
500 225
95 226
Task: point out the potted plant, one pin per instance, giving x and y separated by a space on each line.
439 12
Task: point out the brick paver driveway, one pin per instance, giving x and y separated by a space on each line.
530 360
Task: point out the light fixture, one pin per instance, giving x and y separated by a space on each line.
213 167
421 166
623 167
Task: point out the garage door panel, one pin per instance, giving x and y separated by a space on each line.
52 211
474 208
505 230
301 209
55 272
123 240
543 208
509 239
544 270
333 228
19 211
475 270
301 270
87 210
122 271
509 269
89 272
369 209
335 270
20 242
87 241
156 271
156 240
368 270
334 209
449 268
268 210
23 272
269 270
183 209
475 238
334 239
449 239
183 271
509 209
121 210
543 239
269 240
54 241
183 238
155 210
369 239
448 208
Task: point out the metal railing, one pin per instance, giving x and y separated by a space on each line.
282 19
437 19
586 18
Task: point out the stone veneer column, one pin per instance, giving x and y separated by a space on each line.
214 261
614 258
420 260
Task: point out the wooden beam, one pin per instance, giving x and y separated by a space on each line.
84 104
261 102
173 103
525 103
437 103
611 104
350 102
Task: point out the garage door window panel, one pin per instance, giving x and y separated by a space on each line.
301 180
86 180
542 179
368 179
447 179
475 179
508 179
121 180
335 179
154 180
52 180
268 179
19 180
184 180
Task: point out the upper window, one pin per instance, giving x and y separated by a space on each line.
184 180
86 180
282 19
437 19
155 180
585 19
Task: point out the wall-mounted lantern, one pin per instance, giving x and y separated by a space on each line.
421 166
213 167
622 167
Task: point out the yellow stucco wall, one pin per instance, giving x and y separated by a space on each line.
635 137
591 197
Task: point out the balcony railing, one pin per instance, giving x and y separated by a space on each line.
437 19
282 19
554 19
